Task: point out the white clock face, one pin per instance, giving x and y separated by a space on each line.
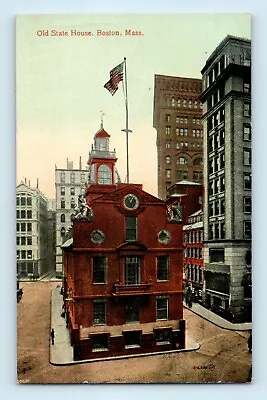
131 201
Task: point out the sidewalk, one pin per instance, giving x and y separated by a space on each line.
217 320
61 353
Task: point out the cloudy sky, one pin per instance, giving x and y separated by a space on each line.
60 93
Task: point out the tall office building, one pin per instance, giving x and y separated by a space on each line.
226 102
177 119
70 182
32 222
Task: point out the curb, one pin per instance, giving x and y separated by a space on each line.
91 360
216 324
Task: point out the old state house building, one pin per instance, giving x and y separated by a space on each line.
123 267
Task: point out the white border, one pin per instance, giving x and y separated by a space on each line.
7 234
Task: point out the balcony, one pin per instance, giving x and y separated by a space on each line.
102 154
133 289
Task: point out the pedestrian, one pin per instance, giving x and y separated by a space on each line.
250 342
52 334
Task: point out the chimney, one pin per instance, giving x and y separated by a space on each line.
80 164
25 181
37 183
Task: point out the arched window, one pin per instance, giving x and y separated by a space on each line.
62 218
62 231
198 161
181 160
104 175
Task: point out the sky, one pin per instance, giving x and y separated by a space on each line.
60 93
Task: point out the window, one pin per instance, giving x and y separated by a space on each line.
167 118
168 130
246 87
246 132
100 341
29 227
62 190
185 131
168 145
216 255
104 175
29 201
29 214
72 177
29 241
18 214
82 177
162 308
62 231
247 205
62 218
72 191
23 240
163 336
198 161
132 338
23 214
168 173
247 229
99 269
23 201
62 204
72 203
99 312
247 181
163 268
132 310
247 109
18 240
181 160
62 177
168 159
23 227
247 157
182 175
132 270
18 201
23 254
197 175
131 228
29 254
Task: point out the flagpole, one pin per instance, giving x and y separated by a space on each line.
127 130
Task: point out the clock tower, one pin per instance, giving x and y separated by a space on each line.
102 161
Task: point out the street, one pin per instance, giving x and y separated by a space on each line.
222 357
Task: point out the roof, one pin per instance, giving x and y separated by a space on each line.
195 225
178 195
102 133
185 182
195 214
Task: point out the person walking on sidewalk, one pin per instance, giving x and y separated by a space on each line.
52 334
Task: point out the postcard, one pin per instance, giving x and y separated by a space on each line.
133 198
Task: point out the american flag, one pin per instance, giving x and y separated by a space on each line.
116 76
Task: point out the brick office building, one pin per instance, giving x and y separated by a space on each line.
193 255
122 268
177 119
